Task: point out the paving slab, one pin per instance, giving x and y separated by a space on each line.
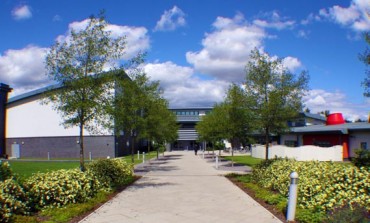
181 187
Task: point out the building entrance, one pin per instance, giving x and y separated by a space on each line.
184 145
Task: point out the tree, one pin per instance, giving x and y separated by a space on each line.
160 123
139 110
77 65
326 113
274 94
127 106
238 116
365 57
228 120
211 128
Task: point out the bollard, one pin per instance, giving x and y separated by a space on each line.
138 155
203 153
216 161
90 156
292 202
48 156
143 157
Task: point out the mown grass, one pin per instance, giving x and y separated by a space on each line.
245 160
25 169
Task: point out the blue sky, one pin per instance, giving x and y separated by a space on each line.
196 48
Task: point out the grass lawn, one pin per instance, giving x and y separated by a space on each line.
25 169
245 160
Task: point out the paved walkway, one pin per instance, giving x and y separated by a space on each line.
181 188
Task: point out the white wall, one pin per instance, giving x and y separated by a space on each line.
303 153
355 141
32 119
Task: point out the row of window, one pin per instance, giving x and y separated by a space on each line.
186 112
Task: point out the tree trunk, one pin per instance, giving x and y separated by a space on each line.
132 149
82 164
267 139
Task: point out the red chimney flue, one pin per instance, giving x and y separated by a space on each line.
335 119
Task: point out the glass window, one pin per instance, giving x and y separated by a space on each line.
363 145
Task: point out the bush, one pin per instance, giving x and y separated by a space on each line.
322 185
362 159
111 172
349 213
5 171
12 200
61 187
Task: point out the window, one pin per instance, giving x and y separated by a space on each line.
363 145
291 143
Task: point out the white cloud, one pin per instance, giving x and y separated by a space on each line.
182 88
57 18
226 50
136 37
355 16
291 63
24 69
318 100
171 19
274 20
22 12
303 34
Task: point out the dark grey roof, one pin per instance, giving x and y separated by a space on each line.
314 116
343 128
33 93
191 108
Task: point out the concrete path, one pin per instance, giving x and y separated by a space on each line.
181 188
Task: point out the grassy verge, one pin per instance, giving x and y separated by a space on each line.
148 156
25 169
274 202
245 160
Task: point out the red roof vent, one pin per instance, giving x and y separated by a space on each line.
335 119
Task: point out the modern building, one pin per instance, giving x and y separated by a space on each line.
187 118
334 131
32 128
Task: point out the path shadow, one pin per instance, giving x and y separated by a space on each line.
173 157
147 183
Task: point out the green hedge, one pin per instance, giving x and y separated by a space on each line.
61 187
58 188
111 172
322 185
12 200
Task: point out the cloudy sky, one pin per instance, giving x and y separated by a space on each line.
197 48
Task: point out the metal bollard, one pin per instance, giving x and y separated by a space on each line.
292 202
203 153
216 161
48 156
90 156
143 157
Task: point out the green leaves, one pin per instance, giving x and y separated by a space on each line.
322 185
77 63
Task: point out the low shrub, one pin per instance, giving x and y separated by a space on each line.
12 200
61 187
362 158
322 185
5 171
349 213
111 172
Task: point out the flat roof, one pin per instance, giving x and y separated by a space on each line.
343 128
33 93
